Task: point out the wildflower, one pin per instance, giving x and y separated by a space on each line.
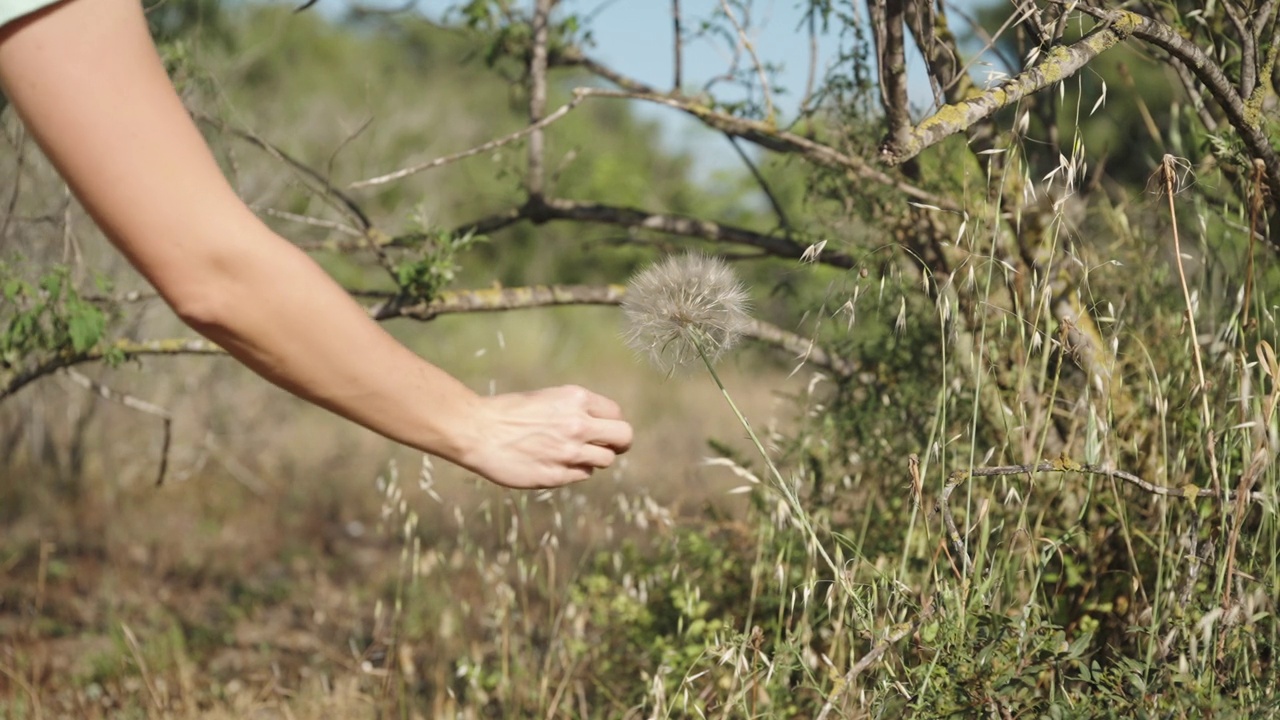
683 306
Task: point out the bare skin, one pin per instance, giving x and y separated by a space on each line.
88 83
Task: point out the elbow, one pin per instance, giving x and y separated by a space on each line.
203 310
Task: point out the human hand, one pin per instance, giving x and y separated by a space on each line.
545 438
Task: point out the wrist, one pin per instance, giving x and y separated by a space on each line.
452 426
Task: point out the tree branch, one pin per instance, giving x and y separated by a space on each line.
482 148
1246 119
560 209
449 302
1056 65
891 62
536 180
768 136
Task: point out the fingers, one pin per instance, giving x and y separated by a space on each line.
592 457
608 428
602 407
613 434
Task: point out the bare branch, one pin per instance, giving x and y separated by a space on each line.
770 137
574 57
778 210
755 58
482 148
536 180
500 299
559 209
14 380
132 403
1189 491
677 47
891 62
1056 65
450 302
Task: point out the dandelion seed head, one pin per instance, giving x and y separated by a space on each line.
682 302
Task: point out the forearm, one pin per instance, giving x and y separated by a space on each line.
277 312
87 82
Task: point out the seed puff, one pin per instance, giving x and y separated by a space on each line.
682 302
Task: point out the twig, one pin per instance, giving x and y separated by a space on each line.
308 220
896 634
778 210
336 197
132 403
574 57
483 148
954 480
755 58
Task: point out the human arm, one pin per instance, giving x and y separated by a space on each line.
86 79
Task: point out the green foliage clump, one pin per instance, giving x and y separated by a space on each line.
47 316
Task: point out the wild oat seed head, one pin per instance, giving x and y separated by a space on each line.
682 301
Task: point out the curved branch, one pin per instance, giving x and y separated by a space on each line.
1246 119
768 136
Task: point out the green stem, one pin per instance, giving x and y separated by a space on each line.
794 502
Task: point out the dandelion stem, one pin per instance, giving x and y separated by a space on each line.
796 510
